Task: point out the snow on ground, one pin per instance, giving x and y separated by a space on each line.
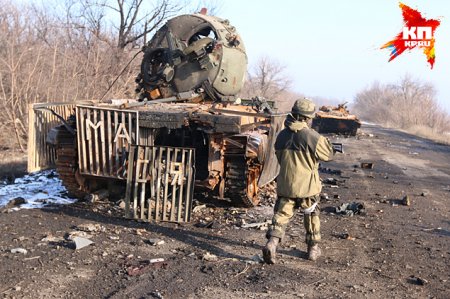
38 189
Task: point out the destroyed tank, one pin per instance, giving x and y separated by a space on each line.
186 132
338 120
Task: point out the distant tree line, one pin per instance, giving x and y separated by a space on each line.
409 103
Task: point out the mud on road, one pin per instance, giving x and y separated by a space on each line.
389 250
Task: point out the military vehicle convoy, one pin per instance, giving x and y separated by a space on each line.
186 132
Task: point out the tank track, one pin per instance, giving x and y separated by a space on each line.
240 184
67 164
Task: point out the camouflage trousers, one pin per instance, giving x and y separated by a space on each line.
284 210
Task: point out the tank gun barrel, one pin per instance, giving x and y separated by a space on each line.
183 96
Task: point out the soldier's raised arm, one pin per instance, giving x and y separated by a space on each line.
324 149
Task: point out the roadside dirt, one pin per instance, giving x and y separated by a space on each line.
390 250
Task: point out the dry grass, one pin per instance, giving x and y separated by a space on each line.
429 133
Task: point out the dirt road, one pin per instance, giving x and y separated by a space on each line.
390 250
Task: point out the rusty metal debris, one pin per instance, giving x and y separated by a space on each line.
146 265
346 236
337 120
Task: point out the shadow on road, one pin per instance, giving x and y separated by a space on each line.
185 233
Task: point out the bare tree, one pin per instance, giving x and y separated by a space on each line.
135 18
405 104
267 79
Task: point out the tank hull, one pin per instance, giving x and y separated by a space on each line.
334 125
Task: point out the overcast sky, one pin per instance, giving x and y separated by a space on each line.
332 48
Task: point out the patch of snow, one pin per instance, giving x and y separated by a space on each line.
38 189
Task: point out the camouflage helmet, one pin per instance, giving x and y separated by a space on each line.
304 107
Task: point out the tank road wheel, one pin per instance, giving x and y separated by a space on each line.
241 181
67 165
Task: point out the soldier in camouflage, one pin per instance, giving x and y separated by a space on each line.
299 150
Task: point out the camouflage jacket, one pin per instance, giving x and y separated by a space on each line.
299 150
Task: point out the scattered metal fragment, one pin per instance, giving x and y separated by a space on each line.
140 231
406 201
208 224
256 259
210 257
97 195
143 266
155 242
331 181
157 294
71 235
198 208
324 196
330 171
417 280
367 165
90 227
19 250
81 242
32 258
51 238
350 209
347 236
256 224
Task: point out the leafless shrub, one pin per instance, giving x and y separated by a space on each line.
406 104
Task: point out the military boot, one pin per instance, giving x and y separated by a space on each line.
314 252
270 250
